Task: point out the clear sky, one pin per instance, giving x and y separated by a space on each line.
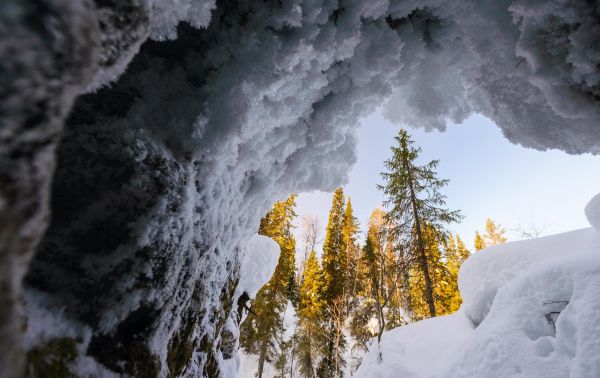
489 177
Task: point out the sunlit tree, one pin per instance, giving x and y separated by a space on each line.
414 201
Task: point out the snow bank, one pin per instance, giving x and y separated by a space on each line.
543 323
258 264
535 307
485 272
421 349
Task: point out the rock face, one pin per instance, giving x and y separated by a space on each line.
45 63
163 175
51 51
127 255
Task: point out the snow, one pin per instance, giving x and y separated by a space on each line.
530 309
258 264
422 349
592 211
543 323
168 13
487 271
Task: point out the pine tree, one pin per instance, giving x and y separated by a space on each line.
494 233
479 242
334 249
335 262
310 309
415 203
261 331
380 288
349 231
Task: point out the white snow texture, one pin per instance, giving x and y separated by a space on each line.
533 309
258 265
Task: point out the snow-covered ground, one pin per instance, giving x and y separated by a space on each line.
531 309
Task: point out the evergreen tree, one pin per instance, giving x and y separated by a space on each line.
334 249
380 291
261 332
414 203
349 231
335 273
310 309
479 242
444 286
494 233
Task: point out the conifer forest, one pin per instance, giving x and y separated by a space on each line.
342 294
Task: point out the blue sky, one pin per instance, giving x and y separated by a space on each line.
489 177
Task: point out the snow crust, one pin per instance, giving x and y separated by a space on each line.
258 264
530 309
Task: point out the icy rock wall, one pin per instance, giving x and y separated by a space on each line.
163 175
51 51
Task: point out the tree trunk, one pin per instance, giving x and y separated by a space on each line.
261 358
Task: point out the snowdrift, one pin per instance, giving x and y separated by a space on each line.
531 309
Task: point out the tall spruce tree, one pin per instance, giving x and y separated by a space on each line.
415 202
335 275
310 309
349 231
261 331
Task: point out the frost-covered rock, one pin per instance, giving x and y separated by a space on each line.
592 212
